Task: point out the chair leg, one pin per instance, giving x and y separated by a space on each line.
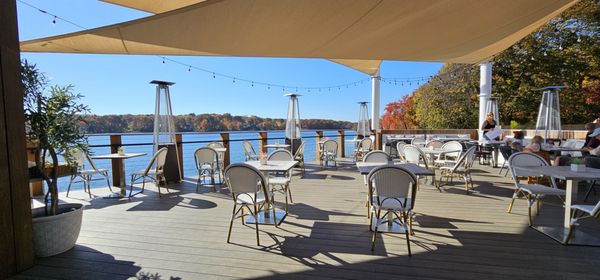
88 182
512 201
374 236
529 210
274 216
407 233
571 227
290 193
70 182
107 181
587 194
231 221
256 224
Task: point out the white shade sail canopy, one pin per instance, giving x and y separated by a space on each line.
356 33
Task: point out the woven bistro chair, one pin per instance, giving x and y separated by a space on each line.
249 191
155 174
86 174
207 164
281 182
392 192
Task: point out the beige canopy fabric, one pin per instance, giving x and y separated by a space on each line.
351 32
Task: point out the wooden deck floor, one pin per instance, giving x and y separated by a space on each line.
182 236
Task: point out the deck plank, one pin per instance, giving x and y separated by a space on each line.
182 236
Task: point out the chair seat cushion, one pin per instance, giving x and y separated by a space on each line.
391 204
585 208
92 171
279 180
540 189
247 198
151 172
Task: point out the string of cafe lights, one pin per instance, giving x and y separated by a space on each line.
400 81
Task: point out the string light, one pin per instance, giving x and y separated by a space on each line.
54 20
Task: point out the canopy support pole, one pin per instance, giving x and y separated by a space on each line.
375 79
485 91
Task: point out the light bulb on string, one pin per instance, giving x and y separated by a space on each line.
214 76
234 80
252 84
189 69
163 61
54 20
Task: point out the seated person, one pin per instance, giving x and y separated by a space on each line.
536 144
518 137
594 151
517 146
591 142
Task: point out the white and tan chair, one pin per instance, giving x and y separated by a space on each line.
207 164
400 149
86 174
374 157
579 212
531 192
249 152
392 192
460 168
299 156
154 172
364 146
221 155
329 153
248 187
280 182
434 144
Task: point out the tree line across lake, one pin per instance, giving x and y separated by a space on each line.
201 123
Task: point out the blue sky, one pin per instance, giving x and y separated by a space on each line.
119 84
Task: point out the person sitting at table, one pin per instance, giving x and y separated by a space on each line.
596 136
591 142
536 144
488 125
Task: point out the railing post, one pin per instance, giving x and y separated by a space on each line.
341 143
319 134
225 140
378 140
37 186
178 140
115 142
262 142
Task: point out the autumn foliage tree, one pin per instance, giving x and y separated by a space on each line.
399 114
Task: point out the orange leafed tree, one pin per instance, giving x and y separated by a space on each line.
399 114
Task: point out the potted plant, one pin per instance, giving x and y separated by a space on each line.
121 151
53 118
577 164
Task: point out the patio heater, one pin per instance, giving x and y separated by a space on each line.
491 105
363 129
164 130
549 114
293 136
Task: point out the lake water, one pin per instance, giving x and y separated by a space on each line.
236 150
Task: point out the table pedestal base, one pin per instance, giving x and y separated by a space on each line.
267 218
559 234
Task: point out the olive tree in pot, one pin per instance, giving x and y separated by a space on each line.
53 119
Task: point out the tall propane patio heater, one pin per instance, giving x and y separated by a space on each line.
549 113
491 105
293 135
363 128
164 131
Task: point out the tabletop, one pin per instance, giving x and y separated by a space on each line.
366 167
491 142
438 151
117 156
563 172
277 146
273 165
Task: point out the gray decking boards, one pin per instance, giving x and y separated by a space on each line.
326 235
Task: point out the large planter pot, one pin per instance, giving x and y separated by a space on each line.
53 235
